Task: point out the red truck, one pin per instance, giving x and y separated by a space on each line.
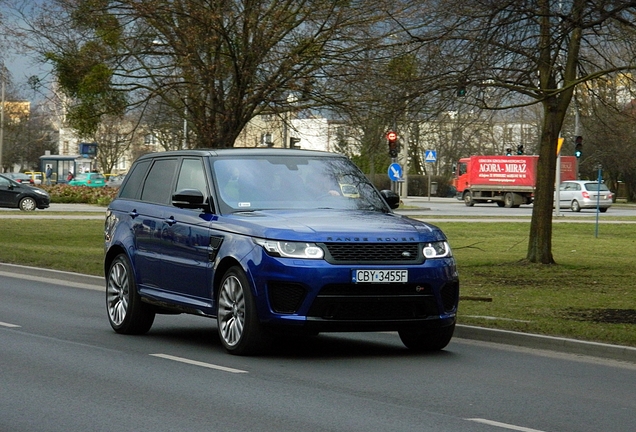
508 181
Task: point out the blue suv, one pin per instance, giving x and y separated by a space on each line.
273 241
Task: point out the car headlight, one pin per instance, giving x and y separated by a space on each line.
440 249
288 249
40 192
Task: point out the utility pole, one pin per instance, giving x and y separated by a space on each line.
2 118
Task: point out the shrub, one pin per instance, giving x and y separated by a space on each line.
63 193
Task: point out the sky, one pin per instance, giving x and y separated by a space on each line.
22 66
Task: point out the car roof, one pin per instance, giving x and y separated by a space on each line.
243 151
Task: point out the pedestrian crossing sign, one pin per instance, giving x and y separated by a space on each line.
430 156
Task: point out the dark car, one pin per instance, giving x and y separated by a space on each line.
20 177
22 196
272 241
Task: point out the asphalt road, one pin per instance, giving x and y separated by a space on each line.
64 369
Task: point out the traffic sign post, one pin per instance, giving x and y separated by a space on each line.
430 156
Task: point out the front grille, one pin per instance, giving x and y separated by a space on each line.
366 290
373 309
348 253
285 297
374 302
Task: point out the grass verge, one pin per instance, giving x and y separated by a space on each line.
590 294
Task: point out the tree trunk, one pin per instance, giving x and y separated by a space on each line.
540 241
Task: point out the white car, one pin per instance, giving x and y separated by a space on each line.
584 194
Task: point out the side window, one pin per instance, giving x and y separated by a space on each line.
192 176
462 168
134 179
158 184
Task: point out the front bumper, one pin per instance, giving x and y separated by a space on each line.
318 296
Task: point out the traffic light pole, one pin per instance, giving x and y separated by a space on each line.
577 132
405 165
557 188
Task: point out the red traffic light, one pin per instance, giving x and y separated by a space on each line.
391 136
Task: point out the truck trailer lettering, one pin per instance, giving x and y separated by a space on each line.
516 168
489 167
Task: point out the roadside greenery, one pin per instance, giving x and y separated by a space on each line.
590 294
64 194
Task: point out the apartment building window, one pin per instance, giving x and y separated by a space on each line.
150 140
266 140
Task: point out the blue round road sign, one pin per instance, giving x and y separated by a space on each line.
395 172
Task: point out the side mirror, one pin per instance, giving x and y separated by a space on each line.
188 198
391 198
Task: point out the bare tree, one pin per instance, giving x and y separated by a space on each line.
608 118
219 63
529 52
115 136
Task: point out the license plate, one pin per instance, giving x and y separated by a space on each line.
380 276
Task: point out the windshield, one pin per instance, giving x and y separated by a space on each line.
275 182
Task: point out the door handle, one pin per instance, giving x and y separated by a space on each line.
170 221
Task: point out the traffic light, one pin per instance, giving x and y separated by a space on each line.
392 140
293 141
578 146
520 149
461 87
508 151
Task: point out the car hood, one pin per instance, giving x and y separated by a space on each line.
23 187
329 226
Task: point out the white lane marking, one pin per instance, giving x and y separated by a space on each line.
4 324
198 363
503 425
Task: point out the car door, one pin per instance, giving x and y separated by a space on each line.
8 193
563 200
186 235
149 221
567 194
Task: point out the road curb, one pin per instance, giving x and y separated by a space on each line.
551 343
53 276
506 337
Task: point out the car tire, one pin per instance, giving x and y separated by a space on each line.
239 329
575 207
500 203
27 204
126 312
468 199
603 209
427 340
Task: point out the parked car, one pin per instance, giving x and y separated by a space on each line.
261 240
584 194
20 177
115 180
22 195
88 179
36 176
